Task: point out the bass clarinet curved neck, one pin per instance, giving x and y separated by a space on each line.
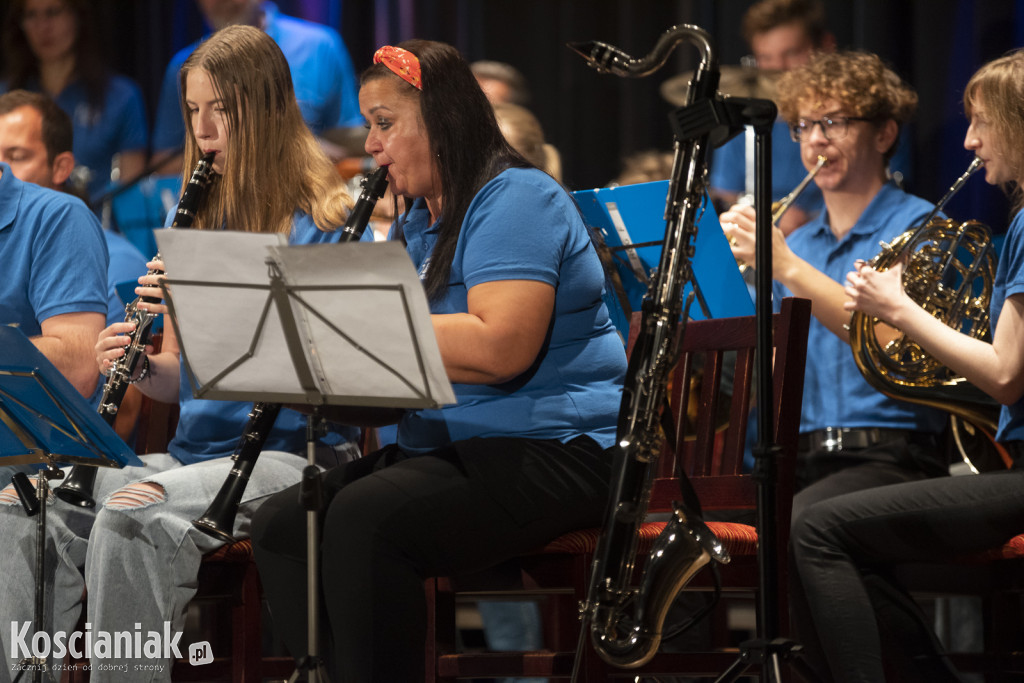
609 59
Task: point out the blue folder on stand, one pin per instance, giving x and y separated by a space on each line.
43 418
635 215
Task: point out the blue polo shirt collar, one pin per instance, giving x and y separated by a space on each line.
878 212
10 196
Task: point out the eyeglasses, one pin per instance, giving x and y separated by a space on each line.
832 127
45 14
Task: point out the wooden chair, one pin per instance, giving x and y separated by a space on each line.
712 457
997 578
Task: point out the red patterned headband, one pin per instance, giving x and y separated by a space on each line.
402 62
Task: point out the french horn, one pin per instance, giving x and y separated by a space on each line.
949 270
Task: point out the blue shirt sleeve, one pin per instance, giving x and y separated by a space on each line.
69 240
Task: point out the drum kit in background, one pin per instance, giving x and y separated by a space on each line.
736 81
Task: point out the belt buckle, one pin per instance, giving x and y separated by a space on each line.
832 439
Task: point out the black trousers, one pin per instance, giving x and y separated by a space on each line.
390 521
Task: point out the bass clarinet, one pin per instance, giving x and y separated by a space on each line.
77 488
624 620
219 519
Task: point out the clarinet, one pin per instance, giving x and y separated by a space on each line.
77 489
219 519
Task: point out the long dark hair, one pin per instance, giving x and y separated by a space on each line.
464 139
21 64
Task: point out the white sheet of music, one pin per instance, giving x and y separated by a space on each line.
340 324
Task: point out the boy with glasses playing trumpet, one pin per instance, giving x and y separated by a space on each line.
847 107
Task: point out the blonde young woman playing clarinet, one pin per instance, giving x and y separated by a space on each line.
138 548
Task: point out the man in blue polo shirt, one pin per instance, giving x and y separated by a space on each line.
54 284
847 107
36 141
322 73
55 275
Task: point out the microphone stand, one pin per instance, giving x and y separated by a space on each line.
768 649
311 498
34 503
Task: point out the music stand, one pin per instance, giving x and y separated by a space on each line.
44 420
631 219
331 324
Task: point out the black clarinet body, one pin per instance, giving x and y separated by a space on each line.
219 519
77 488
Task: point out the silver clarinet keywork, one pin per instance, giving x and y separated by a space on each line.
77 488
219 519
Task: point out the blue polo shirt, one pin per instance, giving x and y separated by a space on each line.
835 392
523 226
99 134
53 258
322 74
1009 281
210 429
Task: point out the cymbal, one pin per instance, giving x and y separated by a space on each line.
738 81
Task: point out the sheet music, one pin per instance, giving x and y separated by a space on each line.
362 326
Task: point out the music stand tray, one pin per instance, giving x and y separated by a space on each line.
43 418
326 324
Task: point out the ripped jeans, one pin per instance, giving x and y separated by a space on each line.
140 555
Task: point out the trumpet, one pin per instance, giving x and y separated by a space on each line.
780 207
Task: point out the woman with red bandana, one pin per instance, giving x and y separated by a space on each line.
515 286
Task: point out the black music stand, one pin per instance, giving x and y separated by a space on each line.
331 324
44 420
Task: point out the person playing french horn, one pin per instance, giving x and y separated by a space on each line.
138 547
847 107
835 598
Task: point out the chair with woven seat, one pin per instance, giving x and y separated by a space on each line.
712 457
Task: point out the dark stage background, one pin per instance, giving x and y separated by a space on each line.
594 119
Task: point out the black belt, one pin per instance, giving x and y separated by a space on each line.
834 439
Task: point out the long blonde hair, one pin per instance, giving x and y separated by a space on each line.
999 86
274 165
